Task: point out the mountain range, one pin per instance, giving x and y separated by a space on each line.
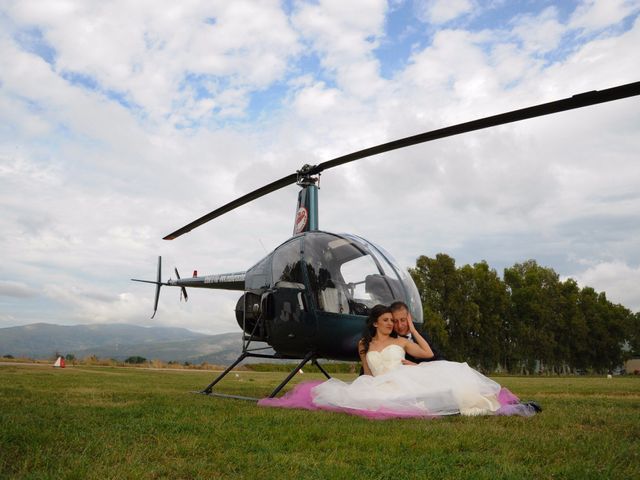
119 341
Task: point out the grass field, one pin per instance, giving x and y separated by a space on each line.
113 423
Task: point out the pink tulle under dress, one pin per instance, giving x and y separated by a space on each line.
430 389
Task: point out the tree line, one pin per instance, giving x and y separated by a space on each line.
528 321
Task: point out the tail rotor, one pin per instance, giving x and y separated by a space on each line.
183 291
158 283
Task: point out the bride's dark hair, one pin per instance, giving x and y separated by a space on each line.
369 329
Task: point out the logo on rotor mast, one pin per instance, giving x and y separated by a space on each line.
302 217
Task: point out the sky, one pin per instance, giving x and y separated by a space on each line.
122 121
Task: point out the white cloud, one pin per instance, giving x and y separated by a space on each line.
9 288
443 11
316 99
540 33
617 279
599 14
344 35
152 55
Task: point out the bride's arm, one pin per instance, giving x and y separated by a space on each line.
419 349
363 359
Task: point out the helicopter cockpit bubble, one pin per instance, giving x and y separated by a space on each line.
347 274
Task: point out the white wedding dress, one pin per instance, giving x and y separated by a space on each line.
430 388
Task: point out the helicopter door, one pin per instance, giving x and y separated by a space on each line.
290 323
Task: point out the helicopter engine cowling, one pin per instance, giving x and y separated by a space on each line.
248 312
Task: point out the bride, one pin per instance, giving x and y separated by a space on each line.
394 387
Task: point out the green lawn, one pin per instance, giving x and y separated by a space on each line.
103 423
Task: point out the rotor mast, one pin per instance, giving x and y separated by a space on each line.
306 218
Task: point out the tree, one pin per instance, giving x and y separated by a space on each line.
534 312
573 333
435 279
490 331
136 360
530 321
463 308
634 334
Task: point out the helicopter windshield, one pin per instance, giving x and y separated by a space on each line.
347 274
287 265
411 295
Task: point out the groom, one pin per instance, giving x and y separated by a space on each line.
401 317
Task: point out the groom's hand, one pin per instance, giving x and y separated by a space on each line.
412 327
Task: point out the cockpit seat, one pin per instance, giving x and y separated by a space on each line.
333 300
380 287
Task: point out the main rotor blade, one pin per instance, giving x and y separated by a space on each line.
577 101
272 187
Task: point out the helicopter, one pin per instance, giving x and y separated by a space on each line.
309 298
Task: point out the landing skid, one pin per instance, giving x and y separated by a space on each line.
245 354
258 334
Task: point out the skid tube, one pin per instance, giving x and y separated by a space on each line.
208 390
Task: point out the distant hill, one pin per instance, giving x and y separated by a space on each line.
215 349
119 341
